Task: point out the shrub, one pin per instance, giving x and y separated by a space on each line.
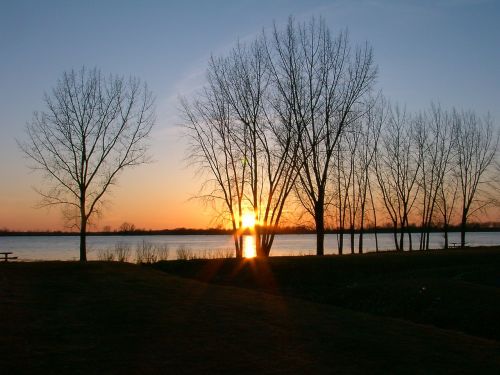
162 251
106 254
146 252
184 253
122 251
222 253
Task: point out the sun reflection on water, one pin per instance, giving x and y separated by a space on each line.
249 247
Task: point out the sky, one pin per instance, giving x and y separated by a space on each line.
446 51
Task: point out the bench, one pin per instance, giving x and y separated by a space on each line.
5 256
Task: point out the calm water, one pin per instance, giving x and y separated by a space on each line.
66 248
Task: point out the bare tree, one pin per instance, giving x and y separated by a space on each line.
244 137
320 79
219 147
371 125
433 138
342 177
93 128
447 201
475 146
126 227
397 165
352 171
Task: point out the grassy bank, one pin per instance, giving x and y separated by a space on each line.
111 318
454 289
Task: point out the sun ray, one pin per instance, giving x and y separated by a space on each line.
249 250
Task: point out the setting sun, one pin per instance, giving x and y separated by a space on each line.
248 220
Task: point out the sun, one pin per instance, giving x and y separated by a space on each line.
248 220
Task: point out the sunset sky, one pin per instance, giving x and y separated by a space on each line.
446 51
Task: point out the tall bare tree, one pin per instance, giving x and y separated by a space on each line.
320 79
93 127
371 125
254 156
353 170
447 200
476 145
433 137
217 150
342 177
397 165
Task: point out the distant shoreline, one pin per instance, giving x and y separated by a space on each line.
215 231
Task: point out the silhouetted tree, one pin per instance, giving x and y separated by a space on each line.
342 178
397 165
433 137
126 227
218 149
93 127
447 201
371 125
244 138
475 146
319 79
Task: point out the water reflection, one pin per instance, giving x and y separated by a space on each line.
249 247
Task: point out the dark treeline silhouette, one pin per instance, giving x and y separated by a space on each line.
471 227
289 126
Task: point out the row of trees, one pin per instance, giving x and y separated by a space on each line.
289 122
269 120
424 169
285 125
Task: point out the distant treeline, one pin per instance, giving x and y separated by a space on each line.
472 227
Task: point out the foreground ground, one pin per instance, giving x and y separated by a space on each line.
386 313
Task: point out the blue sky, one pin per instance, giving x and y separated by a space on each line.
446 51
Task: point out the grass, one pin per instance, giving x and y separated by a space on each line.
455 289
118 318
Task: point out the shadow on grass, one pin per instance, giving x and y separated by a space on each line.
457 289
116 318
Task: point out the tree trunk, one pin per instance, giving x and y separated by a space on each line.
259 249
462 230
341 233
83 239
395 231
320 228
341 240
238 243
352 239
360 241
401 239
374 218
422 234
445 229
361 226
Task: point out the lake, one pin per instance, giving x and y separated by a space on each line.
67 247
